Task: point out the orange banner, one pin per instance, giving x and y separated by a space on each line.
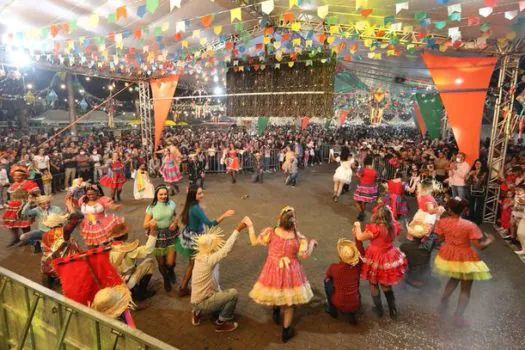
462 83
342 117
419 120
163 90
304 122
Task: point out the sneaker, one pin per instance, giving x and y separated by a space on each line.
195 318
507 238
520 252
226 326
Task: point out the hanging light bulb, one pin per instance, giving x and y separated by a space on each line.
63 86
88 78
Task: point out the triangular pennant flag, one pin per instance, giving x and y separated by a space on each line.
453 8
490 3
292 3
180 27
485 11
267 6
152 5
521 5
122 12
473 20
112 18
366 12
440 24
206 20
174 3
322 11
141 11
217 30
235 14
53 30
401 6
510 15
93 20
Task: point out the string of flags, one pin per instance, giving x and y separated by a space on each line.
201 42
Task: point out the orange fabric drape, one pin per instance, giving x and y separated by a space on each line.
462 83
163 90
342 117
420 121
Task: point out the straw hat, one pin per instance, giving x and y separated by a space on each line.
125 247
19 169
348 252
208 242
54 220
118 231
112 301
418 230
44 199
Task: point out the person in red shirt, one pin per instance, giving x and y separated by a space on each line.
341 282
366 191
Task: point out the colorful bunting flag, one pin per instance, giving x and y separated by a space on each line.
473 20
440 24
180 27
217 30
510 15
453 8
122 13
292 3
206 20
322 11
174 3
521 5
152 6
267 6
485 11
112 18
401 6
366 12
141 11
236 14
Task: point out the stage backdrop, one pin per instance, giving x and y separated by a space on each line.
317 77
462 83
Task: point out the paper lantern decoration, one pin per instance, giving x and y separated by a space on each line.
29 97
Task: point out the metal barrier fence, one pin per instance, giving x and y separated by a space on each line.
34 317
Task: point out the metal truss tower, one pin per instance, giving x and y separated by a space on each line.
502 129
146 126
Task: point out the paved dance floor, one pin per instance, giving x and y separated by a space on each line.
496 313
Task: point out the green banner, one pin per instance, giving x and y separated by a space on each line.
262 123
432 111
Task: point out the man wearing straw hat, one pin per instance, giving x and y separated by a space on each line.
42 209
417 251
124 257
342 281
206 295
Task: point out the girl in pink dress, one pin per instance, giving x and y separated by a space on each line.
366 191
282 282
232 163
97 223
170 168
383 264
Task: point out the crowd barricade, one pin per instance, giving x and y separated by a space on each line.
217 165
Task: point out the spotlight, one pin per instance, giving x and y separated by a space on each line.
19 58
216 79
63 86
88 78
217 90
29 86
459 81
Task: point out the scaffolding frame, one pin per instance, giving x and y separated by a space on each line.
505 92
146 119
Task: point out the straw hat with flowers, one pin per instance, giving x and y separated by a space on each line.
348 252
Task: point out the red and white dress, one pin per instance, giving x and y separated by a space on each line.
394 197
18 194
282 281
366 191
116 177
97 223
383 262
232 162
456 257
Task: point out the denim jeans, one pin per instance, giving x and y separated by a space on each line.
34 237
459 191
224 302
329 290
291 179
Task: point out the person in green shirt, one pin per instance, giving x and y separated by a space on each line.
194 219
161 216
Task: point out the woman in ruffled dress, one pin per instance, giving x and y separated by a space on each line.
394 195
383 264
97 222
19 192
366 191
343 173
115 178
457 259
170 168
232 163
282 283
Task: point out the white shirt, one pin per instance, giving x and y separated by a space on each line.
42 162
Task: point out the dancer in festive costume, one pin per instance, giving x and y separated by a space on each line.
162 217
282 283
115 178
384 264
142 187
97 223
394 195
341 282
114 302
206 295
343 174
19 192
56 243
124 257
75 192
194 219
457 259
425 199
232 163
170 168
366 191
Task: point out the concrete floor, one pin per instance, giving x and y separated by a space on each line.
496 312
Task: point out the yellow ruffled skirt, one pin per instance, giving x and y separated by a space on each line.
462 270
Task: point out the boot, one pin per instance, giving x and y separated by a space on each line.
118 196
378 308
390 298
287 334
15 239
141 290
171 273
166 278
276 315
